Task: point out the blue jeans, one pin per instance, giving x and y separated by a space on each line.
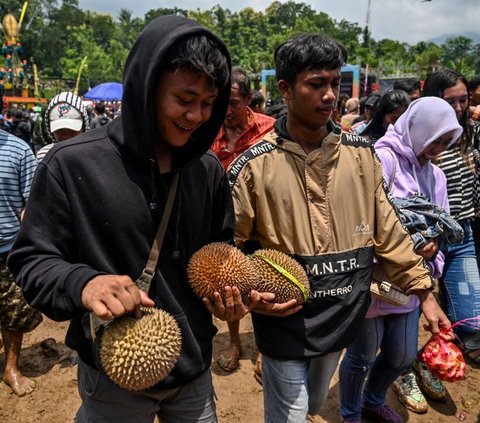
397 336
292 389
460 283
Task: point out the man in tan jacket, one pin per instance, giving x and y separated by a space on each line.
317 193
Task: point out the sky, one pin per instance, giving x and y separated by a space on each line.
408 21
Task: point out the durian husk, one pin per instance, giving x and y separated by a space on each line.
217 265
281 274
137 354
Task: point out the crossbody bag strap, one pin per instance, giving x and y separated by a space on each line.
143 282
145 279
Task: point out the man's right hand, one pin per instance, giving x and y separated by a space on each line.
109 296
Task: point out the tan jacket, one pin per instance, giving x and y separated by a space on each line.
329 209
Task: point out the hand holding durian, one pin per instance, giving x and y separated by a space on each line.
109 296
273 282
137 353
136 350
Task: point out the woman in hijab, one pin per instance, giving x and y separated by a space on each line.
427 128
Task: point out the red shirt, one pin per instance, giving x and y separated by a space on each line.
258 125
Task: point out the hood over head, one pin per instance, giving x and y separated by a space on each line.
425 120
135 131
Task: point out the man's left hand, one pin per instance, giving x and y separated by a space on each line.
437 320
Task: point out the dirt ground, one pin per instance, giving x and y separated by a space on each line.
56 400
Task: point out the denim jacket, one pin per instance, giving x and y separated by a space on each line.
426 221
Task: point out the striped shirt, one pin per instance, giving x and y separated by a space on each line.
17 167
43 151
460 181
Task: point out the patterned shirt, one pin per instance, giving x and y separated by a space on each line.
460 182
258 125
17 167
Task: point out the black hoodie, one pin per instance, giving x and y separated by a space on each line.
97 200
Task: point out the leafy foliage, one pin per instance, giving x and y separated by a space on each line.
57 35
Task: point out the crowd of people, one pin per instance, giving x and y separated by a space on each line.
30 125
319 177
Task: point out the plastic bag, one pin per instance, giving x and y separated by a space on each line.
444 358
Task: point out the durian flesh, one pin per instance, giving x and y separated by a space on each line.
281 274
217 265
137 354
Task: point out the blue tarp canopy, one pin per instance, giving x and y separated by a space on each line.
108 91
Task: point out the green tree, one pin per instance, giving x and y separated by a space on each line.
103 28
54 37
457 54
426 57
57 34
393 58
99 67
282 17
155 13
347 34
13 7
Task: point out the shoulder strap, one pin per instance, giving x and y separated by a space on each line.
143 282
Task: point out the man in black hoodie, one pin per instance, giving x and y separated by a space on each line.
95 207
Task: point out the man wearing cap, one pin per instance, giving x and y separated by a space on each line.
65 118
362 121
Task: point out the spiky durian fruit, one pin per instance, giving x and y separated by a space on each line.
136 354
282 275
217 265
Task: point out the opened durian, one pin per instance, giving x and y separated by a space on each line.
282 275
217 265
136 354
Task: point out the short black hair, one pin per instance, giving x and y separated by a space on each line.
387 103
257 99
100 108
307 52
240 77
200 54
408 85
276 110
473 83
